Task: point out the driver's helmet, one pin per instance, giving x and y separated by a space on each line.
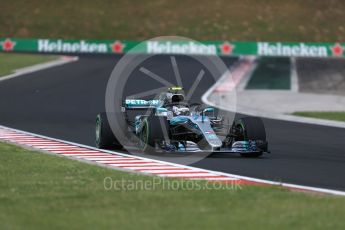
174 95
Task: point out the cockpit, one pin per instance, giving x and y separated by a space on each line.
174 101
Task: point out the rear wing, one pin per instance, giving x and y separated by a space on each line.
140 104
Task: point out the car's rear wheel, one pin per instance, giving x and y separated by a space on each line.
105 138
250 128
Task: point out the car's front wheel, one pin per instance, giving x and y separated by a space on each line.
154 130
251 128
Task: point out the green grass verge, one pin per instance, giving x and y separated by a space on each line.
271 73
269 20
10 62
336 116
39 191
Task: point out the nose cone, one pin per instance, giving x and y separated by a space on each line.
214 141
209 135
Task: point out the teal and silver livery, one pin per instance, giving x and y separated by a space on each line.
171 124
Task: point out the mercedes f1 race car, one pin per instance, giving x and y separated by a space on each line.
170 124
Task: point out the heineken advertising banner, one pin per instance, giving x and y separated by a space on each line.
174 47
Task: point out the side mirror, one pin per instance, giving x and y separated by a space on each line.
208 110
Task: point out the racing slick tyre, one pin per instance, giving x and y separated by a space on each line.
105 138
251 128
154 129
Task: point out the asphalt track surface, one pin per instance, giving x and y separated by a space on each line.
62 102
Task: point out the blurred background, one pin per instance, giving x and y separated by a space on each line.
299 85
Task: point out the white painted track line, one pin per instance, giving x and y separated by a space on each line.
26 70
